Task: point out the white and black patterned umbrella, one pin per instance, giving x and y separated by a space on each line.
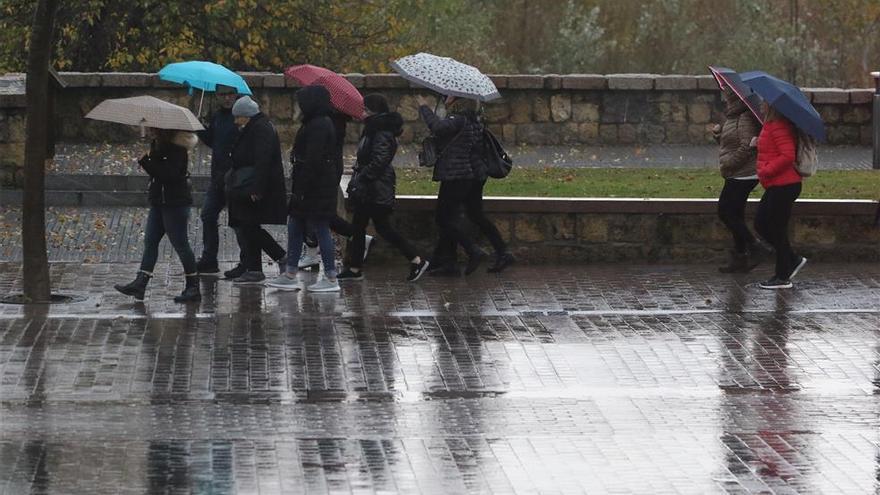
447 76
146 111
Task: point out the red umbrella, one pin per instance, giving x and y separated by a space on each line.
343 95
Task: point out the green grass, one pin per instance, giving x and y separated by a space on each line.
642 183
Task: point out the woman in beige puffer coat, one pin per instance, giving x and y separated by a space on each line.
737 158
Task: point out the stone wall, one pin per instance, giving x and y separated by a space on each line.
622 109
542 230
12 128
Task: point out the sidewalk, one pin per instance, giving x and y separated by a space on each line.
106 159
587 379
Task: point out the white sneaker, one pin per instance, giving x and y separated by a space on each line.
324 285
285 282
310 259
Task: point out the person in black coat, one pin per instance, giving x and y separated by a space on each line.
461 171
255 189
170 198
371 189
315 181
219 135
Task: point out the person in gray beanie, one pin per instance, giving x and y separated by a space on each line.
255 190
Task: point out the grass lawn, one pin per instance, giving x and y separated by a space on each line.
642 183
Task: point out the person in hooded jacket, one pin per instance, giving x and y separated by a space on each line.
338 225
256 163
777 156
170 197
314 189
371 189
737 158
219 135
461 171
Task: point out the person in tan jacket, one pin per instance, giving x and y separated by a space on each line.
737 159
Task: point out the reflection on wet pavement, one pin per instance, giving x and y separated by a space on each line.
546 380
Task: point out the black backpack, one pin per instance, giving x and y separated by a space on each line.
498 162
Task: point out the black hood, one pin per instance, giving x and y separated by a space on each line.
391 122
314 101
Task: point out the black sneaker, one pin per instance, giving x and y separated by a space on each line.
797 268
350 275
235 272
250 278
776 283
501 262
205 267
416 270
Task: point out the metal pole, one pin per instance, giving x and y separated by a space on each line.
875 120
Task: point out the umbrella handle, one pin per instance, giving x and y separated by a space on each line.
200 103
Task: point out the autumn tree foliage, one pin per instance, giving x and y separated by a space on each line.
814 42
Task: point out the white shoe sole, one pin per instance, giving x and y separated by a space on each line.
798 268
776 287
289 288
325 289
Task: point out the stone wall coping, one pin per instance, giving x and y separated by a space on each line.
659 206
575 82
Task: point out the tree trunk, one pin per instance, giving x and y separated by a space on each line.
35 266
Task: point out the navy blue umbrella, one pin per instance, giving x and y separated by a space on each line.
788 100
729 78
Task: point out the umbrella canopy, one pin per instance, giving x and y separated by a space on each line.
343 95
729 78
203 75
146 111
446 76
788 100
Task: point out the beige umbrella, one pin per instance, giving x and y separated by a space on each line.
146 111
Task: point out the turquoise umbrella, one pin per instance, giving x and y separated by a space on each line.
203 75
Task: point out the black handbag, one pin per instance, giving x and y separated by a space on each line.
240 182
429 154
498 162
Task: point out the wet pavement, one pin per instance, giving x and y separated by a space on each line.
564 379
121 159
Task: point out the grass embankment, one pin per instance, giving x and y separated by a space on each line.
642 183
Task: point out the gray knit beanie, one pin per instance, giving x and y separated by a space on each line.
245 107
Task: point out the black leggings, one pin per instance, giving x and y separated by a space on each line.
452 196
381 216
732 211
771 223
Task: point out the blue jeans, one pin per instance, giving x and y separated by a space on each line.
171 221
296 227
215 201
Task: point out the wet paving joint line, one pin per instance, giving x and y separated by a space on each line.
432 314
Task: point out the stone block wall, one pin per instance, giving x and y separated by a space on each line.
575 109
655 231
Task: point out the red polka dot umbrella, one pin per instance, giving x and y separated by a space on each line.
343 95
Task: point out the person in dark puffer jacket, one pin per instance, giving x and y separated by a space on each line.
315 182
777 155
737 158
170 198
371 189
219 135
461 171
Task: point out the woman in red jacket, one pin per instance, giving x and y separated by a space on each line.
777 153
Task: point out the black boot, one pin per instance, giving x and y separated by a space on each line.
136 288
739 263
191 292
502 261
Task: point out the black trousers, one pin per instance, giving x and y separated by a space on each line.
732 211
253 240
452 197
381 216
771 223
